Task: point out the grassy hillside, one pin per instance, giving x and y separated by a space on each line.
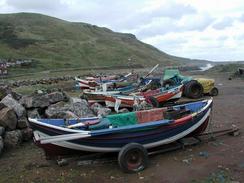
56 43
227 67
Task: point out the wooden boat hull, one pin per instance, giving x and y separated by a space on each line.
96 96
112 140
100 96
160 96
93 83
85 84
53 150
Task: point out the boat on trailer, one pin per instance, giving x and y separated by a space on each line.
150 128
131 134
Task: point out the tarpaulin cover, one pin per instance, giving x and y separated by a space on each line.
104 124
123 119
170 73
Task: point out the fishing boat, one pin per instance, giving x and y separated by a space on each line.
85 83
113 81
93 82
155 97
149 128
99 96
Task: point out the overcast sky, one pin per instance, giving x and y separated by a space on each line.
201 29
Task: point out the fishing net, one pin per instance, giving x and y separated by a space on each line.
123 119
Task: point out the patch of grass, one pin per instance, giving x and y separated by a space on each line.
68 86
27 90
231 68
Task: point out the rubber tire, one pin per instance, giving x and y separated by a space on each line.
214 92
153 101
169 82
190 87
124 156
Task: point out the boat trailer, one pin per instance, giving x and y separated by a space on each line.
104 158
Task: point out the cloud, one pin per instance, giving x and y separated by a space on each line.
241 18
188 28
127 14
223 23
164 25
222 38
170 9
158 26
197 22
25 5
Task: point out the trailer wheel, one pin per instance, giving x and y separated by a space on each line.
214 92
193 89
133 158
153 101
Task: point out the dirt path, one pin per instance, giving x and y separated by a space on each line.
223 158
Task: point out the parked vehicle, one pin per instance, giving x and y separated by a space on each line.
193 87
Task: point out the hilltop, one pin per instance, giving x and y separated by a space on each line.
56 43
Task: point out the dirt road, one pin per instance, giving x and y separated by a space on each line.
221 160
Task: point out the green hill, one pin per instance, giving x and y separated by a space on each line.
56 43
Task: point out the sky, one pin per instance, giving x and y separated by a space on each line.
196 29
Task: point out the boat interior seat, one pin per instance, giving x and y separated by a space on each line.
172 113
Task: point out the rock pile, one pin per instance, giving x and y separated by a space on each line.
15 111
46 81
13 120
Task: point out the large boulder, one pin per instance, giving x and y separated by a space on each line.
8 118
16 96
58 110
104 111
81 109
55 97
2 106
10 102
27 134
70 114
69 110
95 107
12 138
35 101
52 112
22 123
2 130
4 90
75 99
33 113
99 110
